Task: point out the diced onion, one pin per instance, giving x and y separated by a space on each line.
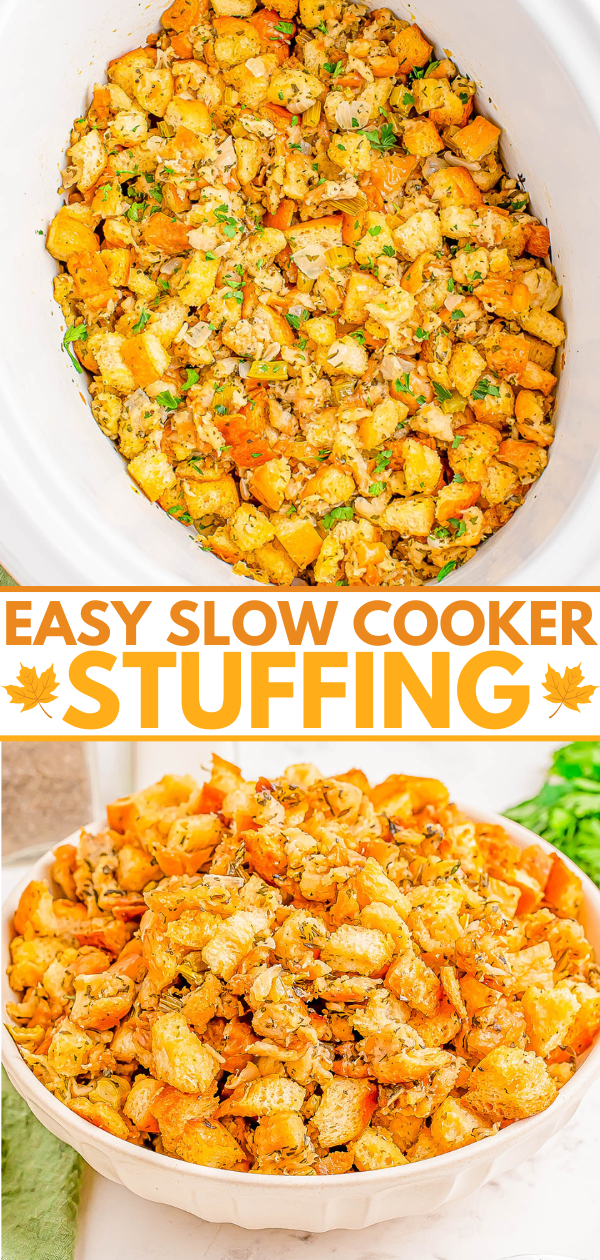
262 985
224 881
225 155
352 114
244 368
198 335
453 301
172 264
392 366
311 261
220 250
453 160
432 165
271 352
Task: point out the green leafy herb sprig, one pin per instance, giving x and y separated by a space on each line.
567 810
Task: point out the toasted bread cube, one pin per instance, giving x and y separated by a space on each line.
230 943
376 1149
312 12
70 232
299 538
236 43
420 233
269 484
452 1126
249 158
89 157
357 949
129 127
208 1142
69 1049
457 221
154 90
542 324
250 528
510 1084
166 320
532 966
411 980
201 1005
499 483
274 561
346 358
126 71
411 49
118 264
527 458
330 485
410 517
179 1058
344 1111
465 368
138 1104
198 280
382 423
381 1011
372 884
101 1114
146 358
478 443
153 473
587 1020
321 329
422 138
564 890
267 1096
549 1014
352 153
260 250
191 114
477 139
135 868
422 467
296 91
376 239
211 498
285 1132
362 288
107 348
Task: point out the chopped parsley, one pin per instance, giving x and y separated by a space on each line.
180 514
446 570
421 335
140 324
191 378
75 334
483 388
383 139
376 487
442 394
338 514
168 400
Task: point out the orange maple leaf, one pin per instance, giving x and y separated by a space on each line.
566 689
33 690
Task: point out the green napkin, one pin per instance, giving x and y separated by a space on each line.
5 578
41 1178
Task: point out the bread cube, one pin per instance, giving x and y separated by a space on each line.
564 890
457 221
409 517
549 1014
510 1084
453 1126
362 288
268 483
411 980
193 115
299 537
70 232
250 528
376 1148
527 458
273 560
208 1142
69 1049
267 1096
129 127
357 949
478 443
419 233
211 498
381 423
430 419
331 485
284 1132
376 239
532 966
126 71
179 1057
372 884
465 368
89 157
477 139
145 357
249 158
422 138
138 1104
587 1020
422 467
499 483
296 91
201 1005
233 48
382 1011
542 324
154 90
198 280
153 473
230 944
411 48
344 1111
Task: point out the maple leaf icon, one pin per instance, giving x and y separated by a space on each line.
566 689
34 690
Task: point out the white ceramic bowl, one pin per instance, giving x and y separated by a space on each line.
67 512
351 1201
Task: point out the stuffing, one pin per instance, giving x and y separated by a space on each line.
324 1001
291 230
